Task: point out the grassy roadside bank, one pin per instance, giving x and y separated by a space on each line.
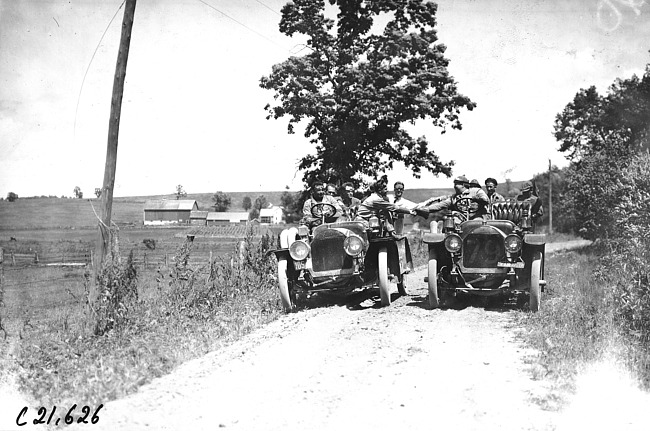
166 318
580 322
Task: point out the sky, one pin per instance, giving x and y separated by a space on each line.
193 114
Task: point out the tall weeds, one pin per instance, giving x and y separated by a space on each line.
146 324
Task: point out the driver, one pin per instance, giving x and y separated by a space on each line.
318 196
458 201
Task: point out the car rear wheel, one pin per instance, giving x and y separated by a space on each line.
434 299
384 287
535 289
283 283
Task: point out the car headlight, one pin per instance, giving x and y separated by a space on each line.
453 243
299 250
513 244
353 245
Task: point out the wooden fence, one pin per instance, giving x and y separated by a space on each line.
145 260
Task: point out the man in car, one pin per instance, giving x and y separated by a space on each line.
378 201
348 202
460 201
331 190
528 195
318 196
491 187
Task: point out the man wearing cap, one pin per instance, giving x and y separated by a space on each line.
459 200
318 196
527 195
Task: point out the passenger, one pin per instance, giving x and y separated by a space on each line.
474 184
318 196
331 190
527 195
348 202
491 187
397 198
458 201
378 202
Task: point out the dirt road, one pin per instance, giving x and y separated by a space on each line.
353 366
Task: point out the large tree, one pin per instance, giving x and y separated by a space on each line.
602 135
358 85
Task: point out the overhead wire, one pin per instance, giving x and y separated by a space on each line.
244 25
76 110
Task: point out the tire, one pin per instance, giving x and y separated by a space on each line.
384 287
283 283
535 289
434 298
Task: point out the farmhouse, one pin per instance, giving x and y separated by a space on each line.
271 215
224 218
198 218
160 212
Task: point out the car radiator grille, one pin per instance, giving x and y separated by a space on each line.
327 252
483 250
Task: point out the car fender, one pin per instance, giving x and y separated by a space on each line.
535 239
433 238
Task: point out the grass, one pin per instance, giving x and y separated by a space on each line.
178 315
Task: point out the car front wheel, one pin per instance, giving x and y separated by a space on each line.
434 299
535 289
283 283
384 287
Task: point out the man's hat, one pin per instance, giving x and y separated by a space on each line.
461 180
491 180
527 186
474 183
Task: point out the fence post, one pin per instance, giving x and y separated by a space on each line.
36 257
13 259
145 260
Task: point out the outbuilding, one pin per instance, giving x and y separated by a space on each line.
225 218
198 218
271 215
161 212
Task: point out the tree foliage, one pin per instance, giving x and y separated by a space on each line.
246 203
291 206
180 192
357 87
221 201
12 197
563 209
601 136
260 202
78 193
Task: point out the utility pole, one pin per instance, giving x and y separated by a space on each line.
550 198
104 239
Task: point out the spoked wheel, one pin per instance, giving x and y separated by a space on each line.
283 282
384 287
434 298
535 288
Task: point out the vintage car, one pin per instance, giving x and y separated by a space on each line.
498 256
341 256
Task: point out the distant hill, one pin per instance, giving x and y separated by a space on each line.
48 213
